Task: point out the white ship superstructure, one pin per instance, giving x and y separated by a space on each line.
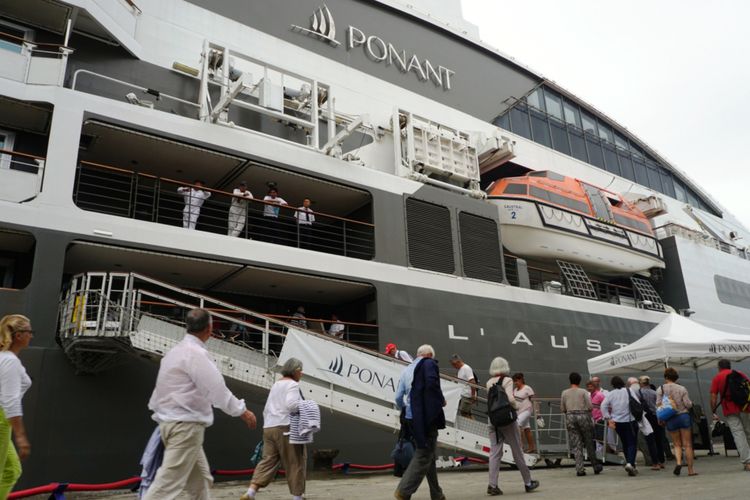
392 123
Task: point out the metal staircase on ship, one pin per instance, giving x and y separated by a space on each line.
104 318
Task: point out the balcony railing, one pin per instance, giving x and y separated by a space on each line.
701 238
116 191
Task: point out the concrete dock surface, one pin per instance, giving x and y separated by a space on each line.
719 477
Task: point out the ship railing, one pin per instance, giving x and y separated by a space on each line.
21 174
99 304
674 229
34 62
551 281
125 193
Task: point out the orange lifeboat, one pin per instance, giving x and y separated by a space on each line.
548 216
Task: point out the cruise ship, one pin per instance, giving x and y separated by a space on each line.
459 199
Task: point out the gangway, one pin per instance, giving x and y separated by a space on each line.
104 317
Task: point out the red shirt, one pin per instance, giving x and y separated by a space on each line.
718 386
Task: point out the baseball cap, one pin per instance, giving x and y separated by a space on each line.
389 348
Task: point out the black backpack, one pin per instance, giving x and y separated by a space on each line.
636 408
476 379
499 409
737 387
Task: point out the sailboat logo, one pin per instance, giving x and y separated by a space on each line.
337 365
321 27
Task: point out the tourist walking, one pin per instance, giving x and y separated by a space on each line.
524 394
468 392
738 418
655 440
680 425
616 409
419 393
499 371
15 335
283 402
194 198
575 403
238 209
187 387
597 396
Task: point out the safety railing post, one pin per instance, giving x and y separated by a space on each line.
133 195
157 196
343 236
266 333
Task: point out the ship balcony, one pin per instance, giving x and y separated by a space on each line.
27 61
137 176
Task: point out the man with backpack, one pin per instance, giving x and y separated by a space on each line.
732 389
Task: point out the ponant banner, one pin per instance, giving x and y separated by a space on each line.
355 370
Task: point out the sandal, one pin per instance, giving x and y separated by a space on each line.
655 467
677 469
693 474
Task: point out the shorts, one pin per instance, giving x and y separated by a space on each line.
679 421
523 420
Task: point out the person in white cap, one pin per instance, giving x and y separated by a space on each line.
238 209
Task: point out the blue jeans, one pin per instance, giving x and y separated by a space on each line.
629 437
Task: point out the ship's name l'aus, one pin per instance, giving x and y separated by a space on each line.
379 50
555 341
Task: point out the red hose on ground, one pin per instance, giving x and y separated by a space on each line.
118 485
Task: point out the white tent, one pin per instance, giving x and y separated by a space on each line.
676 342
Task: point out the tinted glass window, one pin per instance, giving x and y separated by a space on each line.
560 138
11 38
535 99
554 176
654 179
577 145
641 177
626 167
667 184
503 121
621 141
519 122
568 202
596 156
554 104
536 192
610 159
589 123
605 132
572 115
540 129
632 223
679 191
515 189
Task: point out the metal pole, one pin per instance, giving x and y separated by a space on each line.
711 451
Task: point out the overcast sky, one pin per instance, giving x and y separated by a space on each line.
676 73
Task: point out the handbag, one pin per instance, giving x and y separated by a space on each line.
257 454
668 408
719 429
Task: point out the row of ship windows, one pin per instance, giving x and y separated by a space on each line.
549 119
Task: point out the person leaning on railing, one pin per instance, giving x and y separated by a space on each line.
15 335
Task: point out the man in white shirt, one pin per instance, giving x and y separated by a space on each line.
468 393
337 328
271 210
392 350
238 209
194 197
305 219
188 385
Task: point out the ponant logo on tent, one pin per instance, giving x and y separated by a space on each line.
623 358
367 376
728 348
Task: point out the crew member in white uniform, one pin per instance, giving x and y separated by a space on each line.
305 219
271 215
194 198
238 209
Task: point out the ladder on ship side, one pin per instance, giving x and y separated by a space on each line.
105 316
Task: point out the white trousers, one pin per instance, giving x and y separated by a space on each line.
185 467
739 424
190 216
237 219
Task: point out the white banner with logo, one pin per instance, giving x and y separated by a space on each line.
356 370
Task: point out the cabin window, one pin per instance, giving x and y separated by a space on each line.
632 223
519 121
559 137
578 146
626 166
572 115
667 183
679 191
515 189
554 104
596 156
534 99
641 176
536 192
610 158
589 123
605 132
621 141
654 180
540 128
568 202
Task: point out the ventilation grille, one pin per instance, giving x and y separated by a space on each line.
429 236
480 247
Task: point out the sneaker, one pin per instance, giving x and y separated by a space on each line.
494 491
630 470
534 484
581 473
400 496
598 468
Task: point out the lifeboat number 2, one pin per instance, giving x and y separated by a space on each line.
513 210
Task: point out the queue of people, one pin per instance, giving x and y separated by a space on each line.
270 223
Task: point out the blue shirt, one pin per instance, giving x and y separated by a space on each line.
404 387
